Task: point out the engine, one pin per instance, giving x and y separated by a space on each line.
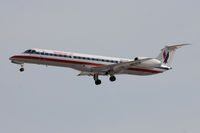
136 58
148 63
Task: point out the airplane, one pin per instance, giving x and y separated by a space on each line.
93 65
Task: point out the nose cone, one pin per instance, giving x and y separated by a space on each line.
15 59
11 58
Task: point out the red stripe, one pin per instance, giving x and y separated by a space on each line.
79 62
144 70
57 60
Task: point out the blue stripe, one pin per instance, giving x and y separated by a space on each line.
165 68
75 57
167 57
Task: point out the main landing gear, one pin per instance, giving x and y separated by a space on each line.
22 68
112 78
96 79
98 82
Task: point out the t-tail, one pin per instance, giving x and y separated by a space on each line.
167 54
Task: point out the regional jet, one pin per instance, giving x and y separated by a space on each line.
93 65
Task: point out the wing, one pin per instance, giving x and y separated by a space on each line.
115 68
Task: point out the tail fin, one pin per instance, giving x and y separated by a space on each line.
167 54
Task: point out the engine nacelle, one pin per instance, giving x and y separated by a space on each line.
149 63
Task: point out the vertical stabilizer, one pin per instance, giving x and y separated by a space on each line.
167 54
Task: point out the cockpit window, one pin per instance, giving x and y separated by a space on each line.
33 51
30 51
27 51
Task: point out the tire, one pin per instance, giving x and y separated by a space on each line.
98 82
112 78
21 69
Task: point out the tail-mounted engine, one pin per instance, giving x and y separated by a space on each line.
148 63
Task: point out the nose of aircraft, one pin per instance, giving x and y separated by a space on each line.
14 57
11 58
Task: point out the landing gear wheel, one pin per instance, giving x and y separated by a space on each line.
112 78
98 82
21 69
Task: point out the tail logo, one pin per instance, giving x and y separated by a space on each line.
165 57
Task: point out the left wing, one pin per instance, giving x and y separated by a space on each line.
113 68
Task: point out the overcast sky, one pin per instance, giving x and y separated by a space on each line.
50 99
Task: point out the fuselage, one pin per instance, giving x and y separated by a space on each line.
80 62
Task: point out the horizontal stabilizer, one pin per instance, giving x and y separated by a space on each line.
173 47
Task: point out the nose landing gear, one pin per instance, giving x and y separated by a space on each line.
22 68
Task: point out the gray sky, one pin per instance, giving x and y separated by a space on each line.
50 99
